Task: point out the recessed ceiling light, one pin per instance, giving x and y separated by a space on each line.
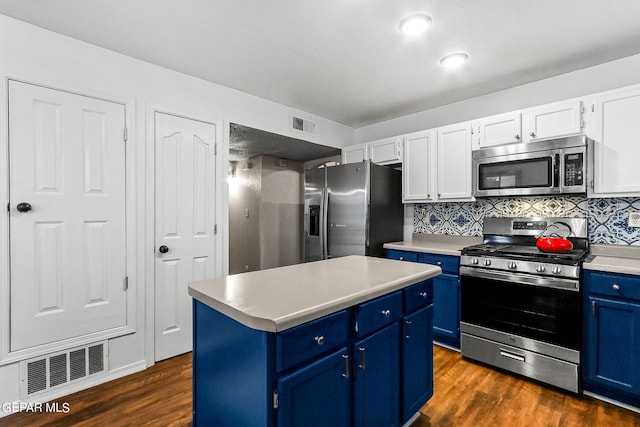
415 24
454 60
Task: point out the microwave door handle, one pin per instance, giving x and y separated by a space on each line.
556 170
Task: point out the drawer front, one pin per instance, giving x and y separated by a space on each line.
310 339
402 255
448 263
378 313
615 285
418 296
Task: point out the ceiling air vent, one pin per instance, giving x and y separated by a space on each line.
62 368
306 126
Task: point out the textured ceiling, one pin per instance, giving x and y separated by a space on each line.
345 60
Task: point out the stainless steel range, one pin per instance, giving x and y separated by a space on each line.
521 307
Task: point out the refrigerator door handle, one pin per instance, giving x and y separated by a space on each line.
324 214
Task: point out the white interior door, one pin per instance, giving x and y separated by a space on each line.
67 215
184 249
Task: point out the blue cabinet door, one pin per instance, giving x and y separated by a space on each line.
446 309
417 361
376 379
316 395
613 344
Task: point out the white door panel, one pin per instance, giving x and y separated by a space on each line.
185 177
67 160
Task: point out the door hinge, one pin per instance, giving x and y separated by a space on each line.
126 283
593 107
215 149
581 124
8 207
582 108
215 229
125 134
275 400
591 183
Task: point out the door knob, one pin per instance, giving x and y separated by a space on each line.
163 249
23 207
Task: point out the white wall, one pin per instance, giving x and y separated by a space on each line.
611 75
40 56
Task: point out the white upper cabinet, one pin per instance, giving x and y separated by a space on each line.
453 154
497 130
553 120
386 151
615 170
355 153
437 165
415 167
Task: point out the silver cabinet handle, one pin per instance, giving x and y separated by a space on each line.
363 353
345 357
386 313
616 287
407 329
424 295
319 340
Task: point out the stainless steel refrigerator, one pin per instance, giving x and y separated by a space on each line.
351 209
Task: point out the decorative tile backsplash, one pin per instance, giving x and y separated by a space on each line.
607 218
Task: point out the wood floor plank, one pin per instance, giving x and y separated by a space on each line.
466 395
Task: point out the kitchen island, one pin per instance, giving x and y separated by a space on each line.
346 341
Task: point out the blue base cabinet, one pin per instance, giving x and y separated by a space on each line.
369 365
446 288
611 311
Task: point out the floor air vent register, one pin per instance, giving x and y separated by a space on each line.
57 369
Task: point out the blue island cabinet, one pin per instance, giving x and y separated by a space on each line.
612 335
446 299
368 365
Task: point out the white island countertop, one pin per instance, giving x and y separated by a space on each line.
280 298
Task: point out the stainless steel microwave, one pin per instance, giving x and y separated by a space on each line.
557 166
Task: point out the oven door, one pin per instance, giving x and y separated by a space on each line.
517 174
538 308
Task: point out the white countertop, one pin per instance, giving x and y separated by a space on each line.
280 298
614 259
435 244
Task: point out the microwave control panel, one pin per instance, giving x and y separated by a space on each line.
573 169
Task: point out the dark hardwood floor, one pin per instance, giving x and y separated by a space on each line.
466 395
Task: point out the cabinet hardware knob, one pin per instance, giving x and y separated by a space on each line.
163 249
386 313
407 334
401 258
532 134
439 263
616 287
319 340
423 295
517 136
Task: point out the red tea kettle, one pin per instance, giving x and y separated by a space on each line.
554 238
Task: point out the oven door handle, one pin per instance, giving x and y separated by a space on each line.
524 279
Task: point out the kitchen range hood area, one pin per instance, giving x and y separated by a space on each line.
271 220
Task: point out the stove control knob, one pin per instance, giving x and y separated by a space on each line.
487 262
540 268
474 261
511 265
556 269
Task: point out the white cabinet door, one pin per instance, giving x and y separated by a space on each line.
185 221
68 252
355 153
454 162
386 151
416 167
554 120
498 130
616 151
